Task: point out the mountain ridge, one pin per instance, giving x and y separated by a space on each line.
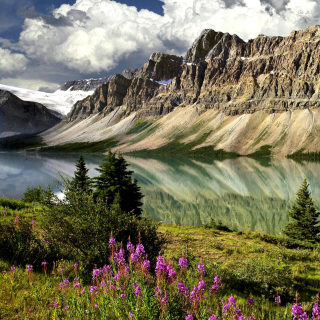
220 81
23 117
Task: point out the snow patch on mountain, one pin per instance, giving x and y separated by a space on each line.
164 82
58 101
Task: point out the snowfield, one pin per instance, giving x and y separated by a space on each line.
58 101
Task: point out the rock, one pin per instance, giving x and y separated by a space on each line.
104 99
222 72
85 85
202 45
130 73
161 67
23 117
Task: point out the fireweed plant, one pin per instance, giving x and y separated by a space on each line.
127 288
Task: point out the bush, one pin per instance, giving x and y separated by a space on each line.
20 244
39 195
287 242
82 227
12 204
260 277
217 226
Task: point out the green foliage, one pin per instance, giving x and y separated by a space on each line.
81 180
115 185
302 155
82 227
305 225
259 277
20 244
286 242
264 151
12 204
217 226
20 142
38 194
81 147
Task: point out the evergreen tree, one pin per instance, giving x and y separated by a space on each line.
115 185
81 181
305 217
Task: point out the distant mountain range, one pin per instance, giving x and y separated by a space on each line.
225 94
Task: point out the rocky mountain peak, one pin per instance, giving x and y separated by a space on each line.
161 67
130 73
202 45
84 85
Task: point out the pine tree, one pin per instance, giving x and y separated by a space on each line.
115 185
305 217
81 181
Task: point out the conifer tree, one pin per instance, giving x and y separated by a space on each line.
115 185
305 224
81 181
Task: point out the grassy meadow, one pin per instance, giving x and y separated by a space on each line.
239 264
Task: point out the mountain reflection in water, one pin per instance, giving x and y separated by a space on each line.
245 194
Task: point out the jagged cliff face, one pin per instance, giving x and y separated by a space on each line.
133 88
224 74
23 117
92 84
84 85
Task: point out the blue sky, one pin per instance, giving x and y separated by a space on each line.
44 43
9 11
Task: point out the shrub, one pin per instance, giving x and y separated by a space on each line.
217 226
261 277
12 204
38 194
21 244
287 242
82 226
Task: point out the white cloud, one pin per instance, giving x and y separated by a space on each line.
12 62
98 35
31 84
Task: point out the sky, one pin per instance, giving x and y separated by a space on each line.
44 43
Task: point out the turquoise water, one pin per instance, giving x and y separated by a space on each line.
243 193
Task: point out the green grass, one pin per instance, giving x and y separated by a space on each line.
81 147
286 265
248 262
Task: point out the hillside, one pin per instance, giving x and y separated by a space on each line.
224 94
23 117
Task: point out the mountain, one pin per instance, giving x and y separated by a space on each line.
23 117
92 84
225 93
59 102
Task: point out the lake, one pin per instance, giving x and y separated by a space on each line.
244 193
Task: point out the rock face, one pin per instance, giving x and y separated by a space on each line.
133 88
202 45
130 73
104 99
21 117
224 74
84 85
